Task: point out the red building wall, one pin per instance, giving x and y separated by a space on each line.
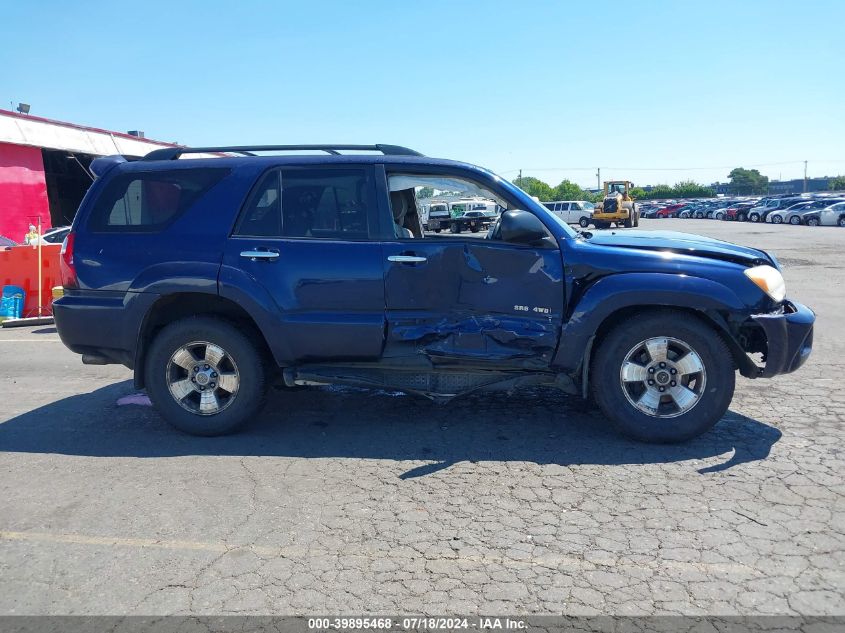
23 190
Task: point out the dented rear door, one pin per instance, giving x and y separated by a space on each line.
472 302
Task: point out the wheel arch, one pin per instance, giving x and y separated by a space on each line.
714 320
174 307
617 298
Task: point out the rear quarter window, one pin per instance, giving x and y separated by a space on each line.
149 201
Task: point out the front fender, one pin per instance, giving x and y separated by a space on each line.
625 290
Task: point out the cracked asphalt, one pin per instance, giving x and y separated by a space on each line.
344 501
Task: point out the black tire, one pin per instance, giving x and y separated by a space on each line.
794 220
474 229
252 373
713 402
754 217
813 222
584 223
742 218
437 230
776 219
454 227
841 220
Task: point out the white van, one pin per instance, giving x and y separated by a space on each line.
573 211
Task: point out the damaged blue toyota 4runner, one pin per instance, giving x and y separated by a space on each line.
217 276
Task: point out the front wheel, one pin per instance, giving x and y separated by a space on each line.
754 217
437 230
669 379
454 228
741 218
205 376
776 219
795 220
842 220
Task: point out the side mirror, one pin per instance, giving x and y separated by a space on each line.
522 227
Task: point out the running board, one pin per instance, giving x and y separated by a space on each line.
439 386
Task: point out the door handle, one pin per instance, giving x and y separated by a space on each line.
407 259
256 255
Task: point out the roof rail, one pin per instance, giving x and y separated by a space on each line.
172 153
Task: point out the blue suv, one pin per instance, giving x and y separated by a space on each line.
215 276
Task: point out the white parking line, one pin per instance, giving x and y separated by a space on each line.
555 561
30 340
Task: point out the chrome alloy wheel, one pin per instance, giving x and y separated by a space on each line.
202 378
663 377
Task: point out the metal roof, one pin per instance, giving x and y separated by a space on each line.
25 129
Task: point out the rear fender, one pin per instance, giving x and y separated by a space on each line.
235 285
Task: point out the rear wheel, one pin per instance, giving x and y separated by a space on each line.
813 222
455 227
842 220
205 376
669 379
584 223
437 230
742 218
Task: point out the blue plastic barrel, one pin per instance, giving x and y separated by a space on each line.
11 303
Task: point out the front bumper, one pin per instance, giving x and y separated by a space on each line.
789 338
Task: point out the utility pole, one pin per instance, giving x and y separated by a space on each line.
520 179
805 176
598 178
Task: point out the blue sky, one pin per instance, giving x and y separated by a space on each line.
645 89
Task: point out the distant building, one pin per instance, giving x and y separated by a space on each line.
777 187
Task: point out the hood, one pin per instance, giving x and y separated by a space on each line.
683 244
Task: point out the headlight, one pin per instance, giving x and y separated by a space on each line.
769 280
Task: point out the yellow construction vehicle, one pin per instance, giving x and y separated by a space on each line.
617 206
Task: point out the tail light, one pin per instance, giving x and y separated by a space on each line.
66 262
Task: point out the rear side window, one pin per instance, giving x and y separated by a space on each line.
315 203
148 201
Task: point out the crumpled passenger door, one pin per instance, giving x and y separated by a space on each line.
472 302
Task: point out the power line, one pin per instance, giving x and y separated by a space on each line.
787 162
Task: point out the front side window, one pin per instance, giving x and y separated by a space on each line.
309 203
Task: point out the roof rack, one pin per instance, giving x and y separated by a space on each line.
172 153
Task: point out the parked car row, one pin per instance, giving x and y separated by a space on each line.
457 216
824 209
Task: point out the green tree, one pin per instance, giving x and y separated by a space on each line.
837 184
661 192
425 192
748 181
690 189
567 190
535 187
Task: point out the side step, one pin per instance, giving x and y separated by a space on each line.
439 386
